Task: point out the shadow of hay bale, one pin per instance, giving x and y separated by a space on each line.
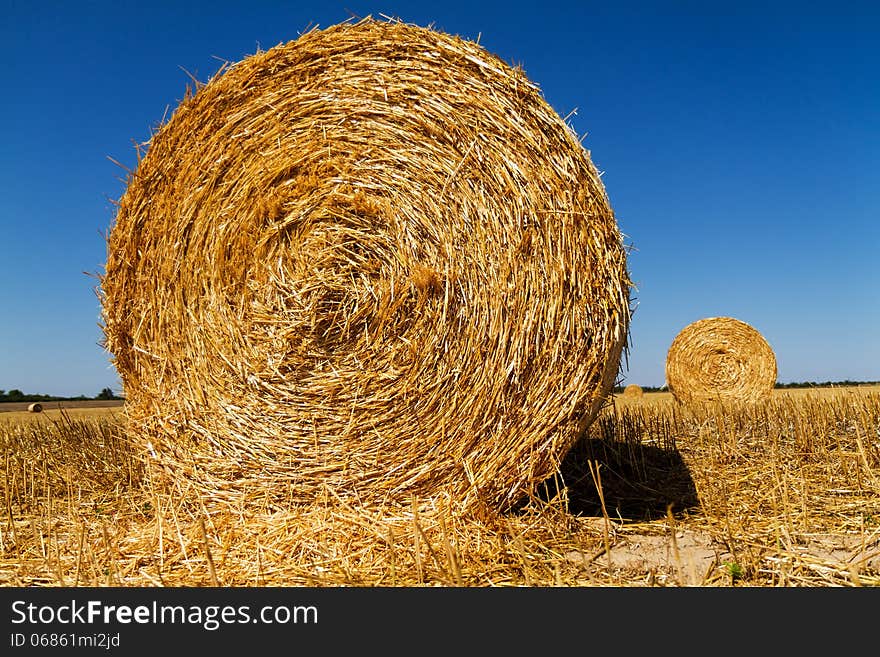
639 481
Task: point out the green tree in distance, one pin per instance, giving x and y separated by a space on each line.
106 393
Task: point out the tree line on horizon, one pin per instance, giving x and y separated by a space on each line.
794 384
16 395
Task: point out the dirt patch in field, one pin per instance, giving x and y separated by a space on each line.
694 558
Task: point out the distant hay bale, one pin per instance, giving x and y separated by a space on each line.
372 261
36 407
634 391
722 359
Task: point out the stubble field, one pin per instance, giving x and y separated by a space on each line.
785 493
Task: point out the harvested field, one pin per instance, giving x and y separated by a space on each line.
818 392
53 410
17 407
783 493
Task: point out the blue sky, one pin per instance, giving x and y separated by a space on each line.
740 145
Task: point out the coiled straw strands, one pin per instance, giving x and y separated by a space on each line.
634 391
36 407
722 359
372 260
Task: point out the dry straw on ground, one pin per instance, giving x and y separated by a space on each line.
633 390
372 260
785 492
720 359
36 407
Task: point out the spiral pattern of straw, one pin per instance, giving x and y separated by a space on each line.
720 359
633 390
371 263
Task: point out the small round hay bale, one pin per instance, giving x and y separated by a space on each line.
36 407
633 391
720 359
372 260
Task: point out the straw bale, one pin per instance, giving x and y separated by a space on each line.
36 407
372 260
633 390
720 359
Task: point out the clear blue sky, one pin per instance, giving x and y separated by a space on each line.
740 145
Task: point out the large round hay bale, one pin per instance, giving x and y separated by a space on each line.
36 407
372 260
720 359
633 391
